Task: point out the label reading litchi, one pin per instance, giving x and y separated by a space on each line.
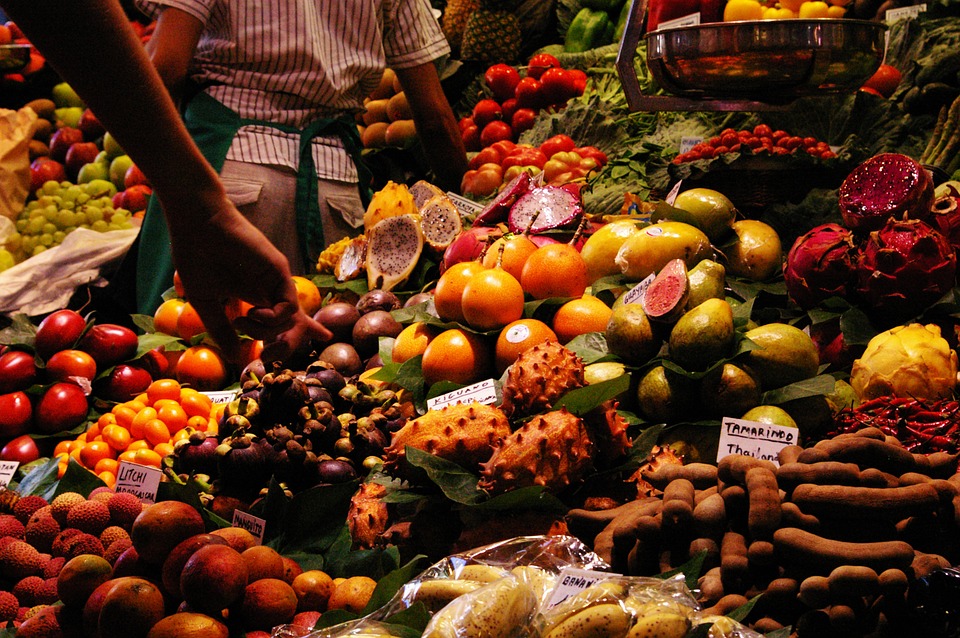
752 438
251 523
140 480
689 20
635 294
572 581
484 392
7 470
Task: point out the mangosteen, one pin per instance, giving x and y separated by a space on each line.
335 471
338 317
330 378
253 371
343 357
419 298
370 327
377 299
376 361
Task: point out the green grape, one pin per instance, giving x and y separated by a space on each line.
36 225
94 214
48 228
100 225
27 244
39 248
50 187
37 213
68 205
14 241
64 218
70 229
7 259
50 212
46 239
82 198
58 237
21 224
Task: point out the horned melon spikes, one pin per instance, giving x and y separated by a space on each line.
367 518
464 434
500 609
392 200
394 246
440 222
541 375
608 430
552 450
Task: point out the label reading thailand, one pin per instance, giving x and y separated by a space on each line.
752 438
484 392
687 143
140 480
688 20
572 581
222 396
901 13
7 470
635 294
467 207
251 523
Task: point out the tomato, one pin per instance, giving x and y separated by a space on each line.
885 80
559 143
524 157
22 449
504 147
62 407
729 139
495 131
558 85
471 137
18 370
71 363
58 331
509 107
465 122
762 130
579 81
16 414
539 63
485 156
502 80
109 344
523 120
482 181
530 93
486 111
123 383
592 151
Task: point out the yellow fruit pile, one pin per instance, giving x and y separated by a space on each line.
781 9
388 120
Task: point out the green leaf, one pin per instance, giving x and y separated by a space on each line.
783 632
691 570
41 480
456 483
311 520
643 445
591 347
525 498
21 331
334 617
329 283
77 479
389 585
744 610
144 322
815 386
582 400
856 328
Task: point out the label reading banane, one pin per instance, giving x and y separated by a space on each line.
572 580
484 392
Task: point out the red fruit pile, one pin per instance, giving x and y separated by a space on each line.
761 139
516 100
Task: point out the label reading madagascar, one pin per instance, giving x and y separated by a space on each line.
484 392
752 438
572 581
251 523
7 470
140 480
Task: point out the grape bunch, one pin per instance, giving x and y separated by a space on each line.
60 208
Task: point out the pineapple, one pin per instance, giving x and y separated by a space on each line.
492 35
454 22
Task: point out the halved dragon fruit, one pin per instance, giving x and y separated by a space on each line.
440 222
468 245
905 267
553 207
394 246
886 185
496 211
820 264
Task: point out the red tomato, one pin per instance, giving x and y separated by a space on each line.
529 93
592 151
22 449
525 157
559 143
504 147
471 137
18 370
58 331
16 414
465 122
483 181
62 407
109 344
495 131
558 85
502 80
762 130
540 63
579 80
486 111
509 107
486 155
523 120
884 81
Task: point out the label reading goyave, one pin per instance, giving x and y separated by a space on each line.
572 581
484 392
635 294
140 480
251 523
7 470
752 438
689 20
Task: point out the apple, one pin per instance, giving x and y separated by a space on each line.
90 126
68 116
61 141
44 169
59 330
91 171
133 199
118 170
109 344
16 414
22 449
18 370
62 407
111 146
123 383
134 177
64 96
79 154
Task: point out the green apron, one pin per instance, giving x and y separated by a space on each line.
213 127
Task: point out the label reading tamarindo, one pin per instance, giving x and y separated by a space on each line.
753 438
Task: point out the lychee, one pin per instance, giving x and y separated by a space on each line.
27 505
41 531
91 517
62 504
124 509
57 547
111 534
9 606
10 526
82 543
19 559
28 590
117 547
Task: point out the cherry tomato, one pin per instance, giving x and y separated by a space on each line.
579 81
62 407
762 130
486 111
592 151
495 131
471 137
558 85
16 414
529 93
504 147
539 63
523 120
559 143
485 156
483 181
502 80
525 157
884 81
729 139
465 122
509 107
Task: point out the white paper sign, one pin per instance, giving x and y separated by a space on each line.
572 581
689 20
140 480
222 396
7 470
752 438
484 392
251 523
467 207
901 13
687 143
635 294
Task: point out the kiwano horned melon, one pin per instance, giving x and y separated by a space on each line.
541 375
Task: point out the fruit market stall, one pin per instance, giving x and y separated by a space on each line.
693 371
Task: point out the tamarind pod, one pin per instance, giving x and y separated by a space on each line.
584 523
798 547
843 619
734 501
644 558
886 503
893 583
711 587
766 624
603 545
710 517
871 432
779 599
814 622
813 455
789 475
788 454
760 555
945 489
734 564
791 516
941 464
867 452
678 506
814 591
923 564
709 548
702 475
732 468
763 502
853 580
872 477
705 493
725 605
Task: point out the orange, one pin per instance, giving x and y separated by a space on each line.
308 295
250 349
167 315
64 447
412 341
491 299
106 419
195 403
163 389
516 250
116 436
155 432
109 478
95 451
173 416
579 316
554 270
140 421
202 368
456 355
518 336
146 456
189 324
198 422
450 287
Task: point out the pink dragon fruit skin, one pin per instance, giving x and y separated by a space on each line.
886 185
820 264
904 268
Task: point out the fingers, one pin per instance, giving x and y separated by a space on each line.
303 331
214 319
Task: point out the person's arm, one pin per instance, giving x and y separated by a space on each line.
218 253
171 47
436 124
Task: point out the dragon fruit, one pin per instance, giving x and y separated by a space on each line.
468 245
945 217
820 264
553 206
497 209
394 246
886 185
906 361
905 267
440 223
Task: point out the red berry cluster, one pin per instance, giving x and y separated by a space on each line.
517 100
762 139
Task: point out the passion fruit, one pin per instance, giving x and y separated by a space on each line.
649 250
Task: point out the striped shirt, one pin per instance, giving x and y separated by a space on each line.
293 61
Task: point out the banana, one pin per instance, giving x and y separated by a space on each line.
437 593
661 625
540 579
607 591
480 573
497 610
604 620
720 626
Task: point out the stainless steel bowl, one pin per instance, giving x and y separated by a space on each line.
14 57
765 59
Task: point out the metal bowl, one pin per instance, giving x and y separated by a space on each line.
766 59
14 57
